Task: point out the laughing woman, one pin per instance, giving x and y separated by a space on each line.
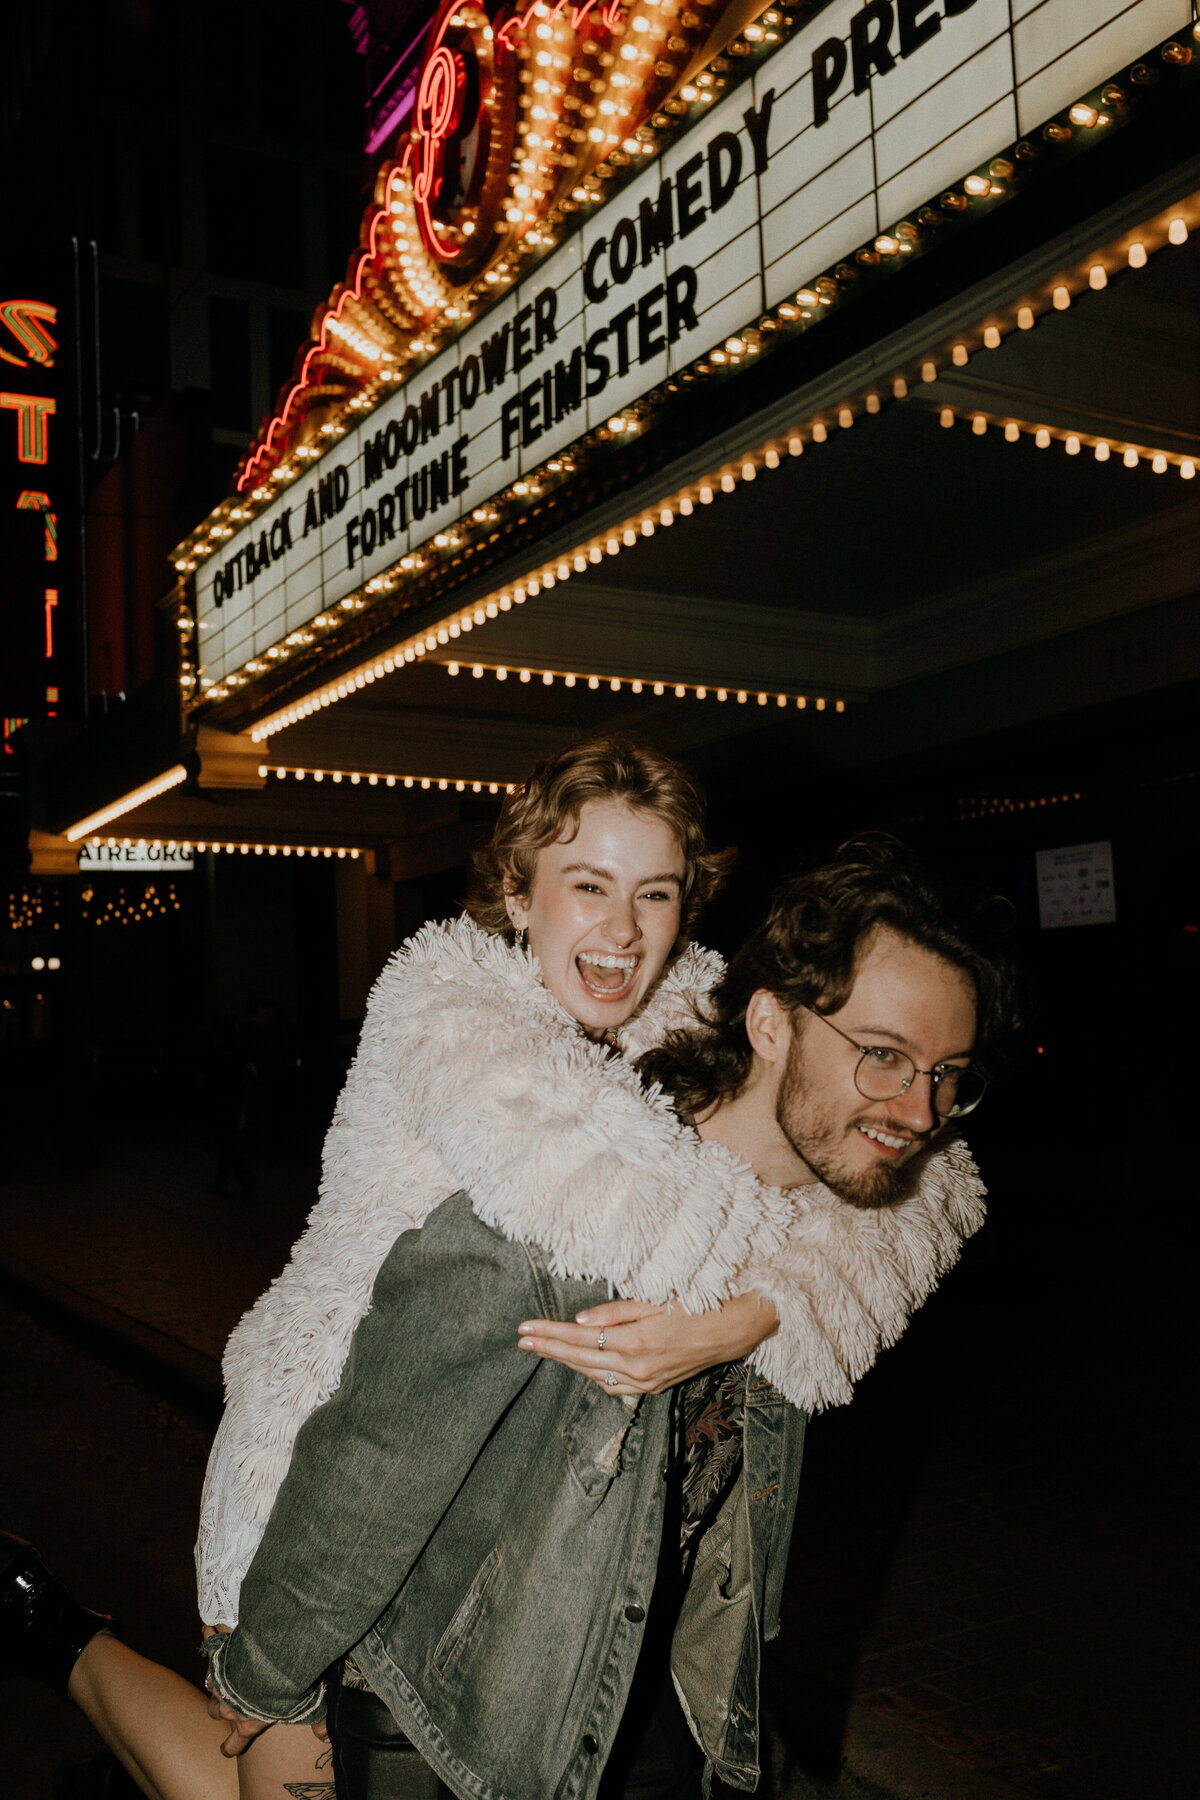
496 1060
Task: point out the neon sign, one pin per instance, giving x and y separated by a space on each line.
519 22
508 119
29 326
30 501
27 320
461 148
32 412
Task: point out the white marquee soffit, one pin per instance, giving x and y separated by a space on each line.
610 315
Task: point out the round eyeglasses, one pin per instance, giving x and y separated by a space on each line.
884 1073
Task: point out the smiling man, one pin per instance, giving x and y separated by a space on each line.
856 1026
857 1023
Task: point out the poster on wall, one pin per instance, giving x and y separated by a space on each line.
1075 886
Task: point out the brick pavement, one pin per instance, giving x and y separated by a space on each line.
989 1551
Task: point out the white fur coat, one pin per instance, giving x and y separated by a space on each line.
470 1075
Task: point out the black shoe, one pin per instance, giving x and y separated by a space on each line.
93 1778
42 1629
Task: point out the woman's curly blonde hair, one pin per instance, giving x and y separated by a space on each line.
547 808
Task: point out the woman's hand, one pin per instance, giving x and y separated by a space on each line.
650 1348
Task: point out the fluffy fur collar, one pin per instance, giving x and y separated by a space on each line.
470 1075
558 1143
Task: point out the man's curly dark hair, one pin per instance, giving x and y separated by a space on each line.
806 950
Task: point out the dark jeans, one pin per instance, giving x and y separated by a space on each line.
653 1758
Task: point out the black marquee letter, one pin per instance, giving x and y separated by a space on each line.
869 49
757 125
721 186
914 30
828 72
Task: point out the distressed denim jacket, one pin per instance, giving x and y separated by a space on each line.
483 1529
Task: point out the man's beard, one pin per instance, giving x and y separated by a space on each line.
815 1136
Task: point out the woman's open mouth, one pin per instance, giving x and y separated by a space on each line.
606 976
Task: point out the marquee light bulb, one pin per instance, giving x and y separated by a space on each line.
1177 231
1137 255
1102 451
1130 459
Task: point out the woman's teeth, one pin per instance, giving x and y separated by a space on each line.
882 1137
617 980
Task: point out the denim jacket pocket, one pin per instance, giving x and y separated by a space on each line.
595 1436
465 1612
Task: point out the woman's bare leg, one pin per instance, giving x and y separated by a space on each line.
154 1722
157 1725
289 1762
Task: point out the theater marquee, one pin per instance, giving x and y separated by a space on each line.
851 124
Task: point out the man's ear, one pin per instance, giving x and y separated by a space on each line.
768 1027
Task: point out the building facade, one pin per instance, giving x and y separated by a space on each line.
810 390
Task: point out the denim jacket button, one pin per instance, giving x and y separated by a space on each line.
635 1613
591 1744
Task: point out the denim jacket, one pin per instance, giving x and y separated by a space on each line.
483 1528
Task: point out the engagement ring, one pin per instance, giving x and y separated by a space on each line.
601 1340
610 1379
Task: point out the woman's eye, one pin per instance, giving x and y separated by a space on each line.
880 1054
657 895
586 887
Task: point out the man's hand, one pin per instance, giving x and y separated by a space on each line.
244 1730
650 1348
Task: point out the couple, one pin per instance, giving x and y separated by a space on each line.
533 1532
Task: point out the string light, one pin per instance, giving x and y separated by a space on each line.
1044 436
95 909
988 807
149 790
375 778
702 690
238 847
32 908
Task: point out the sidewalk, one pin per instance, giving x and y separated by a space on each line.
981 1599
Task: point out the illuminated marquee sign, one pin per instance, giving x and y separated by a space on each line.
855 121
27 355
